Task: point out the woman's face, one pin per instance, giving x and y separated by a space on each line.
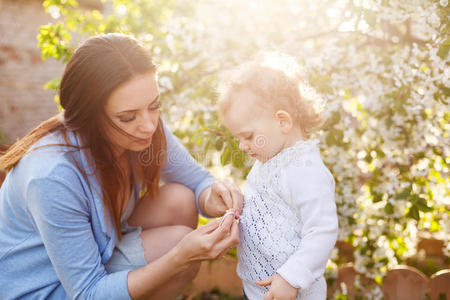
134 107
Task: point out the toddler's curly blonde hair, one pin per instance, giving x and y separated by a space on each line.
279 83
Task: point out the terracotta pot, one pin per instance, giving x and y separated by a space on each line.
220 274
405 283
439 285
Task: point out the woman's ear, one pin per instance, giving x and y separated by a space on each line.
284 120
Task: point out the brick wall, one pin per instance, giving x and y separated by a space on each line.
23 101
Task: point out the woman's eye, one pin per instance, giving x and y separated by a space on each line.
249 137
127 119
156 106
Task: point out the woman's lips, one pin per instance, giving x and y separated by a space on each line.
144 141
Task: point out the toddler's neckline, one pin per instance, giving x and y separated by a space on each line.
263 172
301 145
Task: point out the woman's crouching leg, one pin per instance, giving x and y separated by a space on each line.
174 205
157 242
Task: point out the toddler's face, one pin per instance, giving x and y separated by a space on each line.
257 127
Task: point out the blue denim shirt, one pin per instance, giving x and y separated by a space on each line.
54 236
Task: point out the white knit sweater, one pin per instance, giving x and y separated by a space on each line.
289 222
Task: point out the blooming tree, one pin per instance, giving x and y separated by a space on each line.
382 67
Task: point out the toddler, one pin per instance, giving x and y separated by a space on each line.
288 225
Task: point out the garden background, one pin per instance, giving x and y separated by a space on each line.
382 66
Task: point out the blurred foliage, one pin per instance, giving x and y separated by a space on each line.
382 66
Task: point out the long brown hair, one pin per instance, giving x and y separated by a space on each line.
96 69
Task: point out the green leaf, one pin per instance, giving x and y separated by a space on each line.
329 139
237 159
53 84
413 213
443 49
435 226
363 249
226 155
403 195
207 145
341 297
377 197
54 42
446 91
389 208
334 137
58 103
384 260
219 144
421 204
334 119
351 220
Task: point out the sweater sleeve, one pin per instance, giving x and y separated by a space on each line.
310 188
182 168
60 213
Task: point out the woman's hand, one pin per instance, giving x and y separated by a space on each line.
209 241
221 196
279 288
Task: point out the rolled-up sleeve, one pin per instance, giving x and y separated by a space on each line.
182 168
60 213
311 190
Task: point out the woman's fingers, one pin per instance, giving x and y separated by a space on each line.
224 222
224 251
210 227
226 195
237 197
220 188
219 235
221 231
230 240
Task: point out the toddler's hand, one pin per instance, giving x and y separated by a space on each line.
279 288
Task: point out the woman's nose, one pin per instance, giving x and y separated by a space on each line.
148 125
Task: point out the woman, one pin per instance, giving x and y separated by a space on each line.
72 224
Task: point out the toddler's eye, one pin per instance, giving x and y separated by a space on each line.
156 106
127 119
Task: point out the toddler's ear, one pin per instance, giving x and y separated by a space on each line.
284 120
